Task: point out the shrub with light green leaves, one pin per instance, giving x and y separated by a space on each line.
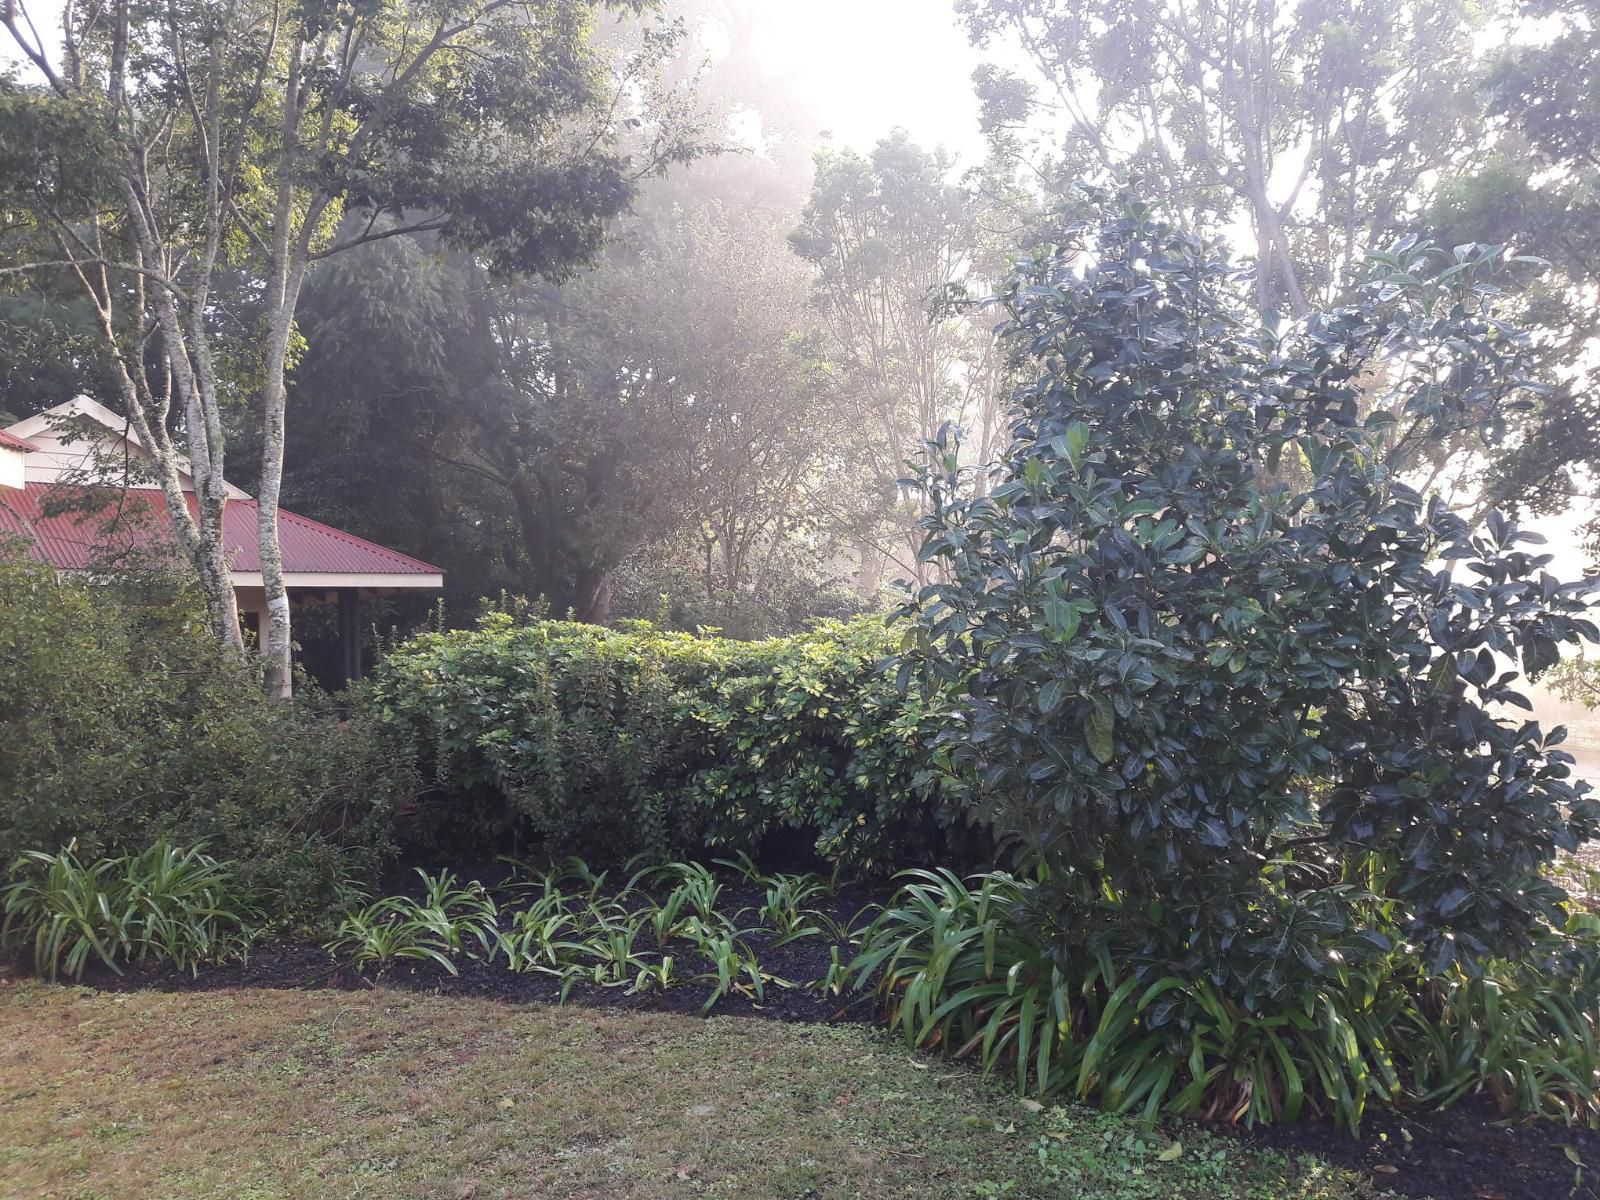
614 742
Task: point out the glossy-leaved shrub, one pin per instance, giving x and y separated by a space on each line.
614 742
1228 682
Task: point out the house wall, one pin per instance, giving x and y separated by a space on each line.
252 601
53 458
13 472
115 441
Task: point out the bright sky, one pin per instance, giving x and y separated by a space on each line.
864 66
867 66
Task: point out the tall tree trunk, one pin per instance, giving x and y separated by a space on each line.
277 638
596 608
200 534
289 258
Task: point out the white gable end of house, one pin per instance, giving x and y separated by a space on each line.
57 454
13 466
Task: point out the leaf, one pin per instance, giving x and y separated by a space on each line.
1077 439
1172 1153
1097 732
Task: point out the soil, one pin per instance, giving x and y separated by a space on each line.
292 964
1464 1153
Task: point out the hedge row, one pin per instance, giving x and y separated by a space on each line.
610 743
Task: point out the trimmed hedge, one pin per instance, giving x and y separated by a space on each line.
611 743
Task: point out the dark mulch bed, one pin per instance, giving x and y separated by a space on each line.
1465 1152
289 964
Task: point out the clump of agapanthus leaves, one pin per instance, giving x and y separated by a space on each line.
1235 690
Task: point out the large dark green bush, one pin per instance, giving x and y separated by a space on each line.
614 742
1236 689
125 722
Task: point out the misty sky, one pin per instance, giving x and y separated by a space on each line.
866 66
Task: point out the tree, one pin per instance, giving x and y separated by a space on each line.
172 142
1245 725
49 346
890 237
1538 188
1318 126
731 312
553 432
393 364
668 408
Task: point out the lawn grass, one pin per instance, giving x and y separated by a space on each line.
263 1095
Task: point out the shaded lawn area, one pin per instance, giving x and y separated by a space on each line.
253 1095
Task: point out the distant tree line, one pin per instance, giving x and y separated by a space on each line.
685 379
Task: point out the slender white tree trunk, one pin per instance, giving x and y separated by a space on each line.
191 377
277 638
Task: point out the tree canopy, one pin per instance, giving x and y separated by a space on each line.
171 145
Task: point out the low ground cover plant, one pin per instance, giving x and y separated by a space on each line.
958 970
165 905
611 742
659 927
450 921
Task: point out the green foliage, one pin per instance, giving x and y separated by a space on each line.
1525 1033
666 583
889 234
616 742
1230 682
661 929
1540 192
734 968
967 971
125 721
450 920
165 905
786 911
1379 102
1092 1155
542 467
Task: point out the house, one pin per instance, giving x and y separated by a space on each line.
13 455
46 459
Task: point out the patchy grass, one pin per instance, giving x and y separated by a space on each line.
262 1095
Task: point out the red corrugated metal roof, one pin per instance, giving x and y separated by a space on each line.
71 540
16 443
